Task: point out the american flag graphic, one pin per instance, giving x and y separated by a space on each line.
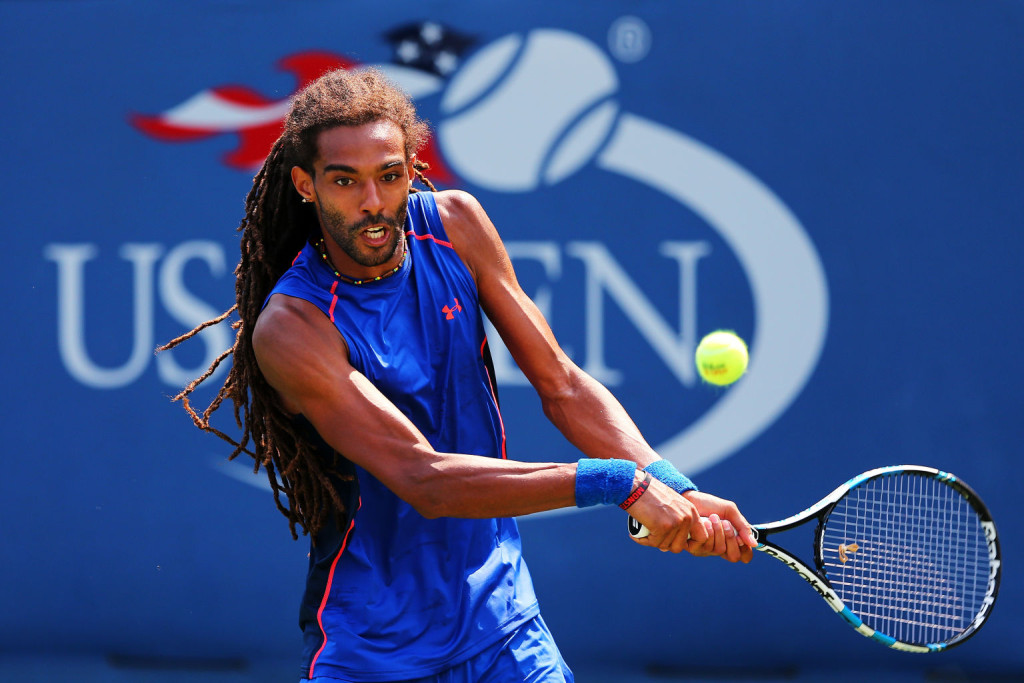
424 55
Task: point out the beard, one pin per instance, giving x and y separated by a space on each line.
346 235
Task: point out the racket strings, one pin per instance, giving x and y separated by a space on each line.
908 555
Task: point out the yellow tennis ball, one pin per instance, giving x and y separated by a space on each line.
721 357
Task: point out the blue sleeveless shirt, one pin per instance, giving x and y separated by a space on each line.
393 595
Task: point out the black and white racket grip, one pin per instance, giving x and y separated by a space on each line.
638 530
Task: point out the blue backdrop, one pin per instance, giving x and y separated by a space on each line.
838 182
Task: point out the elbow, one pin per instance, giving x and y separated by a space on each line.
556 391
428 506
430 511
424 491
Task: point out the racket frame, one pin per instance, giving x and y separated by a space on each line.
817 579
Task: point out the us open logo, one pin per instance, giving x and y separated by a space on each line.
553 96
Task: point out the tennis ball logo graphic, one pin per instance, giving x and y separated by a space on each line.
528 111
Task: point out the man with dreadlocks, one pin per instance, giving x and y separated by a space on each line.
363 386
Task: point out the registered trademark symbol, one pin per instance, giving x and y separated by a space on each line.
629 39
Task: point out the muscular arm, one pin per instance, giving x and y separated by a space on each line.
580 406
305 359
303 356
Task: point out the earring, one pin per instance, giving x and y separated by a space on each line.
307 200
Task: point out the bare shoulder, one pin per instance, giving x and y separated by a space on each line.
458 206
284 319
463 216
470 230
291 340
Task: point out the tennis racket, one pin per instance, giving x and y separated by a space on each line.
907 555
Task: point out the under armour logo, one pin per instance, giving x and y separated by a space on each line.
449 312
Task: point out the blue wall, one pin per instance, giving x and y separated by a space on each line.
838 182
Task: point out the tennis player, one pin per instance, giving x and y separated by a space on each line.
363 383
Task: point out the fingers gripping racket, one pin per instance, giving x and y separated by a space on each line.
907 555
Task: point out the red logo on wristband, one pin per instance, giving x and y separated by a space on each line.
637 492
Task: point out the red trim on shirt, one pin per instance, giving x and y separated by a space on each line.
327 591
330 311
430 237
494 397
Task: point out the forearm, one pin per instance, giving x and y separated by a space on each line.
594 421
458 485
468 486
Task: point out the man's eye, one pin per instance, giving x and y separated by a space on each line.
390 177
344 181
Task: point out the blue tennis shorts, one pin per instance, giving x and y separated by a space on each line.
527 655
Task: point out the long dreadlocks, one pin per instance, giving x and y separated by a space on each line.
275 227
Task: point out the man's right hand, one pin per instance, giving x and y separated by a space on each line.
672 520
699 523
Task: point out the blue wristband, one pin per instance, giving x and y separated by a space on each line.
667 474
603 482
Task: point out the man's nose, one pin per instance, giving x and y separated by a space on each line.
373 199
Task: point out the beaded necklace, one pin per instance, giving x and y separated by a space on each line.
321 247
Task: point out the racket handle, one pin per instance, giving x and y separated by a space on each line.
638 530
635 528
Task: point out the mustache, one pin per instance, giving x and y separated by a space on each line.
379 219
397 221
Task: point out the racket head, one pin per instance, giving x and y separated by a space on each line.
913 554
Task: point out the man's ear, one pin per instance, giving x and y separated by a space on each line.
303 183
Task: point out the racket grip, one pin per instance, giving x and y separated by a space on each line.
635 528
638 530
